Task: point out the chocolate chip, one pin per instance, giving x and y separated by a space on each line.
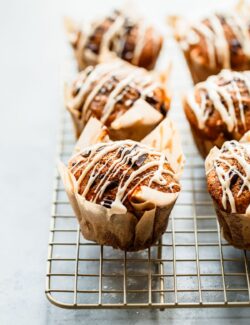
86 154
111 185
235 45
140 160
107 203
234 178
151 100
128 55
93 47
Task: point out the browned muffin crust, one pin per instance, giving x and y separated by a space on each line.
238 60
123 41
228 165
131 156
218 41
206 120
215 124
157 98
92 93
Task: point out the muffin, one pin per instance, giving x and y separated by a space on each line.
220 41
128 100
218 109
228 180
122 193
132 40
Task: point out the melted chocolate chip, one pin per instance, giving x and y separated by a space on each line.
128 55
235 45
151 100
140 160
128 151
107 203
234 178
111 185
98 177
86 154
93 47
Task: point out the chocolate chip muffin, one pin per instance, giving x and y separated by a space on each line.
132 40
218 109
122 193
228 180
126 99
220 41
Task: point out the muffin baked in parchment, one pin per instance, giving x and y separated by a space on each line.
122 192
129 38
219 41
218 109
228 179
130 101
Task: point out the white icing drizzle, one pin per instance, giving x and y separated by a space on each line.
216 41
87 81
97 88
124 153
140 42
111 32
238 152
221 44
108 108
216 93
126 75
209 38
116 34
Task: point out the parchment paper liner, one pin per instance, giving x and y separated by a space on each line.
198 70
139 120
121 229
235 227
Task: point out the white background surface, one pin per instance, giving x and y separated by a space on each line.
32 55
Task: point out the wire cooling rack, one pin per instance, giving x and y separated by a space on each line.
192 266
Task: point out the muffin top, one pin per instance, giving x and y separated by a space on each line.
114 174
128 37
108 90
220 41
228 176
221 104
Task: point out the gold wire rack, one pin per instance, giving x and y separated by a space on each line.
192 265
